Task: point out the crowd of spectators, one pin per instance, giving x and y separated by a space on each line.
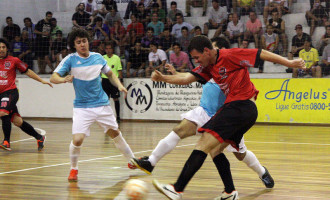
156 36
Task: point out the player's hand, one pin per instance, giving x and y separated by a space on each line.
170 68
156 76
121 88
68 79
298 63
45 82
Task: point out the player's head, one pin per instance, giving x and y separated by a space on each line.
200 49
79 41
220 43
4 46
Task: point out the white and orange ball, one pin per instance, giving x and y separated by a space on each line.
136 189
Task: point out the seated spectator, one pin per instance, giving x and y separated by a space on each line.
58 44
148 39
29 43
327 4
198 31
235 30
112 16
161 12
244 7
55 28
245 44
11 30
130 39
176 29
311 58
166 42
101 30
21 49
136 62
180 59
133 4
136 25
196 3
325 66
106 7
269 42
324 41
298 42
253 29
143 15
157 59
90 7
157 25
184 40
81 19
117 35
29 27
317 16
279 28
282 6
217 18
61 56
171 18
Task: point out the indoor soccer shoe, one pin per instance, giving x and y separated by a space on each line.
5 145
131 166
41 143
168 190
267 179
143 164
73 176
225 196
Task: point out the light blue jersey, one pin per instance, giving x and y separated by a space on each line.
86 79
212 98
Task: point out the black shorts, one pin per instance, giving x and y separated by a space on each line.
111 90
8 100
231 121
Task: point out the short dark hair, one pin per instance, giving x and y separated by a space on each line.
197 28
179 14
77 33
177 44
53 19
184 28
199 42
27 18
150 29
2 40
155 5
154 43
221 42
166 29
9 18
49 13
173 3
98 19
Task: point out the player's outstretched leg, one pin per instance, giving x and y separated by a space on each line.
74 152
6 128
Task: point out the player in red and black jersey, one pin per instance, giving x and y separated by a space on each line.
9 96
228 68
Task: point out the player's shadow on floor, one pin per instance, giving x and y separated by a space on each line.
255 195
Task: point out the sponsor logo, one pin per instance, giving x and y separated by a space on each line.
139 97
7 64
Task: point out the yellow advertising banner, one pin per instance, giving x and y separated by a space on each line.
293 100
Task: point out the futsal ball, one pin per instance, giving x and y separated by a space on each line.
136 189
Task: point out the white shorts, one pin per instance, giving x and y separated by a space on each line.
83 118
200 117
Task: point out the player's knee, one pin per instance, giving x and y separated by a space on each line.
113 133
3 114
239 156
181 131
215 152
78 140
17 121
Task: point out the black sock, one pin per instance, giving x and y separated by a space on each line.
27 128
223 166
194 162
6 127
117 107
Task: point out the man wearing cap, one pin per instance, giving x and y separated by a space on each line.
298 42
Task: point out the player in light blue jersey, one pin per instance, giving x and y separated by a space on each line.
91 103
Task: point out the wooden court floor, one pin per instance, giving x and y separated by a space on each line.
297 157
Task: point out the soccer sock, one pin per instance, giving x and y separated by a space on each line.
117 108
74 154
123 147
194 162
163 147
6 127
223 166
27 128
252 161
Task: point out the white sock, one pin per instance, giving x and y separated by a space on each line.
123 147
74 154
164 146
252 161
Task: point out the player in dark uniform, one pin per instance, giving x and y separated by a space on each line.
228 68
9 96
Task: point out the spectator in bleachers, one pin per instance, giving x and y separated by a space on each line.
244 7
198 31
282 6
180 59
324 41
112 16
100 48
157 59
176 29
90 7
157 25
325 66
133 4
55 28
136 62
185 38
143 15
43 30
235 30
106 7
161 12
279 28
171 18
270 40
61 56
217 18
298 42
130 39
253 29
136 25
28 57
11 30
117 35
196 3
29 27
21 49
56 47
148 39
317 16
101 30
327 4
311 58
245 44
81 19
166 42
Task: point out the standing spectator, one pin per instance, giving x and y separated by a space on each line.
171 16
184 39
148 39
101 30
157 25
325 66
298 42
176 29
282 6
106 7
244 7
112 16
11 30
117 35
317 16
143 15
180 59
166 41
28 58
235 30
157 59
130 39
161 12
279 28
136 62
324 41
217 18
56 47
81 19
55 28
133 4
43 30
196 3
29 27
311 58
136 25
253 29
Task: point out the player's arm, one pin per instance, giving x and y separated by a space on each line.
116 82
272 57
179 78
34 76
57 79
